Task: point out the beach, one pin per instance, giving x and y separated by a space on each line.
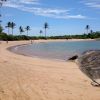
27 78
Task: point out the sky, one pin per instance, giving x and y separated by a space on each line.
64 17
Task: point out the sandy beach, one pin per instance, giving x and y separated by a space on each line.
27 78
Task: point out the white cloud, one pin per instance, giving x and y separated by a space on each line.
75 16
92 3
12 4
40 11
53 13
29 1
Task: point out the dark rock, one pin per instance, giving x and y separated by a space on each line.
90 64
73 58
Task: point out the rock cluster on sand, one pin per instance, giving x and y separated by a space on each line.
90 64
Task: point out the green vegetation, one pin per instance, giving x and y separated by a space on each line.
94 35
4 36
12 37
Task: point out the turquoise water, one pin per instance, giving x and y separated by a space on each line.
57 50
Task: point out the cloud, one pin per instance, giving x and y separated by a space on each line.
41 11
74 16
92 3
53 13
12 4
29 1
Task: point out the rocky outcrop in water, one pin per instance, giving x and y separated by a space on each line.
90 65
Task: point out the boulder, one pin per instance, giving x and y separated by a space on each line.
89 63
73 57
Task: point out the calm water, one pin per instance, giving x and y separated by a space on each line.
57 50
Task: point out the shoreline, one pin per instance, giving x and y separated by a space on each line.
59 40
43 41
24 78
44 58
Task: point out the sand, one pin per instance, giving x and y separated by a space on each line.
27 78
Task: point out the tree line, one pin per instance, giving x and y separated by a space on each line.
11 26
93 35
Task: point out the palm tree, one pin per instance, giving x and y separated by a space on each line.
12 26
87 28
91 31
8 26
1 29
41 32
45 27
27 29
21 30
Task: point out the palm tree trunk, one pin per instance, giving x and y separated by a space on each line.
27 33
8 30
12 31
87 31
45 34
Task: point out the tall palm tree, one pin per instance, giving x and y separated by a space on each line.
91 31
87 28
21 30
27 29
1 29
12 26
8 26
45 27
41 32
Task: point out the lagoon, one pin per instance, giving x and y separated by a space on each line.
56 50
